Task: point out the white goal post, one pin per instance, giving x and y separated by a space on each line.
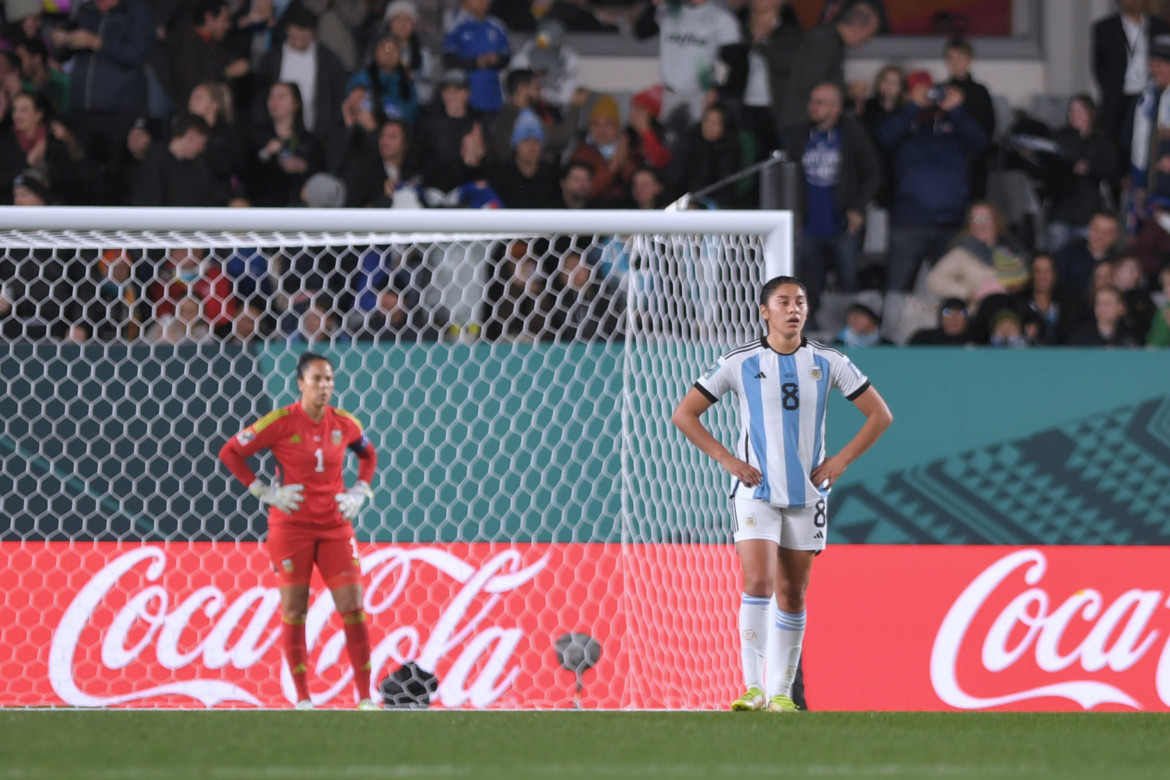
540 536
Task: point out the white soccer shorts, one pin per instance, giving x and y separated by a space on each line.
794 528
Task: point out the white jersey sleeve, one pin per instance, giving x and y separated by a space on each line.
845 376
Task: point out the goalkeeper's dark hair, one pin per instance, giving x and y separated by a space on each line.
771 285
306 359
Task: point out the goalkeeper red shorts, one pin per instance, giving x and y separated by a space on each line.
294 549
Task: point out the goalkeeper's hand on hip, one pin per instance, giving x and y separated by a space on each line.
350 502
286 498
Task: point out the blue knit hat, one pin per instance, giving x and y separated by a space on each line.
527 126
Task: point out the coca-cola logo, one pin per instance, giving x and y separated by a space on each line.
477 652
1081 632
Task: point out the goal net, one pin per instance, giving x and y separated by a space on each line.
540 535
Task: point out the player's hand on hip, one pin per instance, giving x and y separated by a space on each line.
826 474
350 502
743 471
286 498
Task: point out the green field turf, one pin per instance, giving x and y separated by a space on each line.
294 745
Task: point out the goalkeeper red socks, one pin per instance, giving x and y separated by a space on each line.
297 655
357 644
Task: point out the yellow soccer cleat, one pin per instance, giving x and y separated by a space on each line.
752 699
782 704
368 704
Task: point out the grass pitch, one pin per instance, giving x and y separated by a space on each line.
322 744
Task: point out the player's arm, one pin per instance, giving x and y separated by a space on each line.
235 453
877 419
350 502
686 419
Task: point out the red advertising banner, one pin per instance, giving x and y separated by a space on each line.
890 628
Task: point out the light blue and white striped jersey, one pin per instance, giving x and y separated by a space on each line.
782 403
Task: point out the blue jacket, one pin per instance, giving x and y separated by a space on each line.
393 103
930 164
468 39
112 79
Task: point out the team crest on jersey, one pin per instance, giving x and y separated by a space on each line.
750 521
816 373
287 565
246 436
295 439
337 438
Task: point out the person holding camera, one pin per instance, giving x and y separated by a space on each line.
930 140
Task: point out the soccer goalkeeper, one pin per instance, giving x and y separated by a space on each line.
310 514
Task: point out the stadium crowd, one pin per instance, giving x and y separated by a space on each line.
346 103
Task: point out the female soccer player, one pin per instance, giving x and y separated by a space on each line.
311 512
782 477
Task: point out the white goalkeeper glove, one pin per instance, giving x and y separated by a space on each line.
286 498
350 502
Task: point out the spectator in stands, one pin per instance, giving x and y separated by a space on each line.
387 82
1150 195
9 80
1076 260
112 298
173 173
518 311
188 272
286 152
527 180
406 272
1078 185
863 321
524 95
1007 329
27 141
951 330
889 93
252 325
958 55
820 58
36 287
583 307
197 50
576 184
225 158
759 67
712 152
385 176
443 152
1159 335
1121 46
312 320
109 47
832 9
40 76
23 20
393 321
645 106
181 327
646 189
1106 327
420 64
929 141
478 44
691 34
1055 310
316 71
980 260
1139 306
841 174
608 150
555 64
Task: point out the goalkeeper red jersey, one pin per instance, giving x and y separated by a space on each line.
310 454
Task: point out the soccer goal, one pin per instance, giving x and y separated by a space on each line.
540 536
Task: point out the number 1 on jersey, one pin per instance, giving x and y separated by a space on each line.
320 460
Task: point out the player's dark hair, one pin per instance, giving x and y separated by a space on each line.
776 281
308 358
